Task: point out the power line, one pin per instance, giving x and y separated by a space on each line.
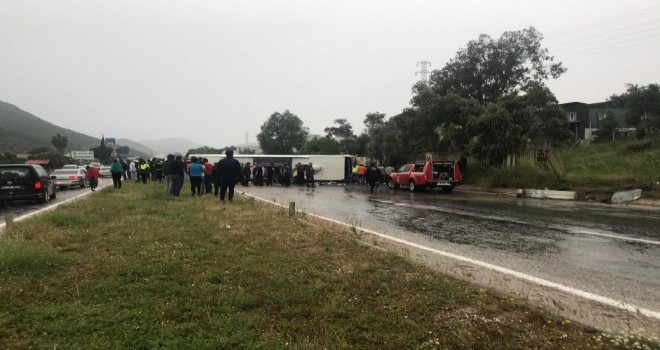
603 33
623 17
597 51
594 42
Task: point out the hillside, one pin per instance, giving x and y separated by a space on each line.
170 145
136 146
594 171
21 131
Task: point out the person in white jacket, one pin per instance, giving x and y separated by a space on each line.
133 171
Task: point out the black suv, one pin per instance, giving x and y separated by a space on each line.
25 181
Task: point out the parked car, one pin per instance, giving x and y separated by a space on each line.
69 177
445 174
105 171
25 181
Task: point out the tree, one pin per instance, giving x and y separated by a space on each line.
59 142
537 113
642 106
487 69
282 133
10 158
343 130
210 150
123 150
498 134
375 130
322 145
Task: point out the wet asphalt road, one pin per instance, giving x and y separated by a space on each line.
609 251
19 208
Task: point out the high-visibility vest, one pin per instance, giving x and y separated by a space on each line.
355 169
144 166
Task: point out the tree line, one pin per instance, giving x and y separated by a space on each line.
490 100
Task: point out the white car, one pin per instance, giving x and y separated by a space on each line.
65 178
105 171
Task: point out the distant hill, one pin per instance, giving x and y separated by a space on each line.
21 131
170 145
136 146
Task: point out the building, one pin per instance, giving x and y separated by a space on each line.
585 118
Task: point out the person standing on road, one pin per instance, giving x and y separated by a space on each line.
373 176
362 174
286 175
229 170
462 165
300 174
116 171
246 174
270 172
309 175
93 175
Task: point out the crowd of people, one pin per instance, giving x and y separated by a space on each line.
220 178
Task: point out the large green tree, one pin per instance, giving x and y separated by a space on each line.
282 133
322 145
642 106
349 143
374 124
487 69
59 142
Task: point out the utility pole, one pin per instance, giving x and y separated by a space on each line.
424 72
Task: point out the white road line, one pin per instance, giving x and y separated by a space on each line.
570 290
608 235
3 225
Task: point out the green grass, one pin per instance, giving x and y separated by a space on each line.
133 269
595 171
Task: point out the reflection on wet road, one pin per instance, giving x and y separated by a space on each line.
609 251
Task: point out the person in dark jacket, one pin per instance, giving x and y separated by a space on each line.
373 176
246 174
258 175
178 171
167 172
215 178
270 172
286 175
229 170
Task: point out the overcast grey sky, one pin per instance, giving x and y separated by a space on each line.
210 71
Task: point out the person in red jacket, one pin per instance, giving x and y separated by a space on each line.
93 175
208 171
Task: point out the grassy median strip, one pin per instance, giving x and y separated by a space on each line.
134 269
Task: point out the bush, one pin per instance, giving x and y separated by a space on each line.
639 145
